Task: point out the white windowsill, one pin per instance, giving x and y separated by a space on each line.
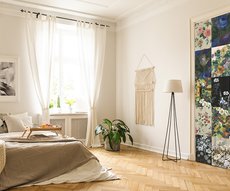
68 114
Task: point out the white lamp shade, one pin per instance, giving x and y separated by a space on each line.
173 86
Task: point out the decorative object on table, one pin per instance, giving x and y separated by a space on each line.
9 90
172 86
210 100
113 132
144 93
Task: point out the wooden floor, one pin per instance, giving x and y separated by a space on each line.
145 171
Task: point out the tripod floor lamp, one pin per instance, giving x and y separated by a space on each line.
172 86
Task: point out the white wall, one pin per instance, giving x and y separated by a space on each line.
13 42
164 36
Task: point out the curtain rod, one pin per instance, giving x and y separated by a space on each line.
64 18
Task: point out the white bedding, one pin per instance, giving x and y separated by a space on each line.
91 171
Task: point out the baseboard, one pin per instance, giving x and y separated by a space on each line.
184 156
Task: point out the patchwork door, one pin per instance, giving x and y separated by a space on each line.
212 90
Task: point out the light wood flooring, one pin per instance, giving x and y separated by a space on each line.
145 171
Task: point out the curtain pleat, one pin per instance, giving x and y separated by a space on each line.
93 39
39 35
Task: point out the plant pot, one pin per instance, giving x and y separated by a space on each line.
116 147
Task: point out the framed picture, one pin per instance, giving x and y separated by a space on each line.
9 79
210 89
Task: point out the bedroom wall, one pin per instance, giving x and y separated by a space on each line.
13 42
163 34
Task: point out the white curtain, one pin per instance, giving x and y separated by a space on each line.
40 33
93 42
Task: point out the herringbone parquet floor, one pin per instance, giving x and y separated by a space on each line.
145 171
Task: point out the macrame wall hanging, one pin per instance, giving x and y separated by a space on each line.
144 93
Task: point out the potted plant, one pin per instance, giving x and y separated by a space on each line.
113 132
70 102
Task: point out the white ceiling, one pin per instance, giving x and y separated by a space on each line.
111 10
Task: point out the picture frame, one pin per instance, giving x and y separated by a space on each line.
9 78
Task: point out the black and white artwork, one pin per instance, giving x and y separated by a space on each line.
8 78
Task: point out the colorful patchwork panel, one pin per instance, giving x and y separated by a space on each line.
212 90
221 61
203 63
203 121
203 35
221 152
221 30
203 149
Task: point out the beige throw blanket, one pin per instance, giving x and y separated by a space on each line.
144 96
31 163
2 155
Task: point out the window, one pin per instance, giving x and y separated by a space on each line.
67 81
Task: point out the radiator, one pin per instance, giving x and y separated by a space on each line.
72 125
78 128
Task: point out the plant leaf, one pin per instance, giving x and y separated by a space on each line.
107 122
110 140
124 137
116 137
130 138
98 129
104 137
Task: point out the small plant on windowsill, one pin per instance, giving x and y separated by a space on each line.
113 132
51 104
58 102
70 103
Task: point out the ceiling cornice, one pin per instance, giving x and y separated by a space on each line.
147 11
138 8
48 8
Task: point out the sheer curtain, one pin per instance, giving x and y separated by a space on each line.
93 42
40 33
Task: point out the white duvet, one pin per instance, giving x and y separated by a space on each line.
91 171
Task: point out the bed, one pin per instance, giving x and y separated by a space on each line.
46 158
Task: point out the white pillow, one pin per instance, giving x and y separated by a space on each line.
27 121
14 124
25 118
20 115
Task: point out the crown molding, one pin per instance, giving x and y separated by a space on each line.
52 9
135 9
146 11
14 10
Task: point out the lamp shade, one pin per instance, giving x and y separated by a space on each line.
173 86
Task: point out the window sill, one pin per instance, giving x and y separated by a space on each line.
68 114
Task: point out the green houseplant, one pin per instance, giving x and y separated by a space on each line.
70 102
113 132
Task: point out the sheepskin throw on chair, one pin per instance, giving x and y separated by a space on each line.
144 96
